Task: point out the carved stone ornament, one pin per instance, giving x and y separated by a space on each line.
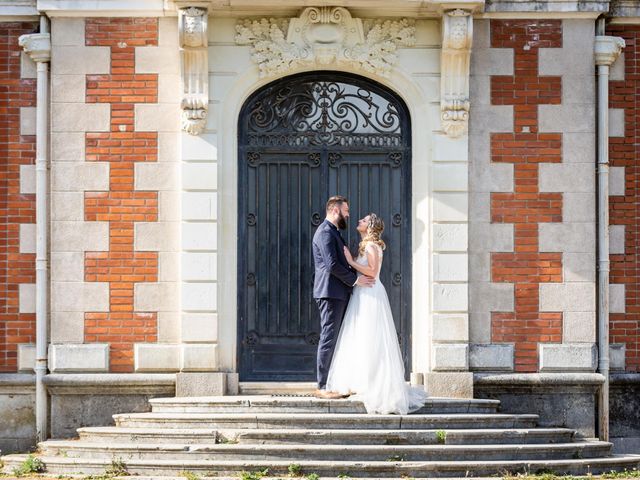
608 49
37 46
194 67
457 33
324 36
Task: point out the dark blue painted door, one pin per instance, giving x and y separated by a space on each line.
302 139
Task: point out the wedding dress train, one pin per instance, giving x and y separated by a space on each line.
367 358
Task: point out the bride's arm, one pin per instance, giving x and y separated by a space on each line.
373 259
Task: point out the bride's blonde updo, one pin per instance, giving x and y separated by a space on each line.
375 227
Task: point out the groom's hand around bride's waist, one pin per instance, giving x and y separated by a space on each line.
365 281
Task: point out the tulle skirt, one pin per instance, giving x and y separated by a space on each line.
367 358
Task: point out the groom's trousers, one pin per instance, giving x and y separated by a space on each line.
331 313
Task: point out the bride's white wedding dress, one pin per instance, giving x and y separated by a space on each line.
367 358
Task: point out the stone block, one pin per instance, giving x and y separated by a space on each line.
449 384
578 207
450 177
68 88
567 177
27 238
67 266
26 357
220 85
80 117
450 357
27 298
202 357
67 147
617 184
567 237
448 149
169 88
192 384
448 237
168 327
429 85
157 236
67 206
90 357
79 297
235 58
578 148
80 60
160 59
199 296
579 327
153 357
80 236
67 31
18 425
221 30
199 205
490 237
199 236
491 357
67 327
27 179
479 267
168 266
156 297
450 328
199 266
168 31
450 267
499 118
168 147
491 297
27 120
199 327
157 117
579 267
567 357
617 356
567 118
616 239
199 176
27 66
450 297
492 61
559 297
480 89
450 207
617 299
577 89
169 206
480 207
202 147
616 122
616 72
73 177
480 327
233 384
485 176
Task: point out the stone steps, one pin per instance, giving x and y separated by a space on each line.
296 453
356 469
343 421
328 437
270 404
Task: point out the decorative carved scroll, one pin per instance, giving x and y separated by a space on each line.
457 33
323 36
194 65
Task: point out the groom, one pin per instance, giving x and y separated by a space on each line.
334 279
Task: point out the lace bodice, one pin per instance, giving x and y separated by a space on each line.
362 259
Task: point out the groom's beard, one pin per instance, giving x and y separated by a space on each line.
342 222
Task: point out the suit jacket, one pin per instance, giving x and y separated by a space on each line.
334 277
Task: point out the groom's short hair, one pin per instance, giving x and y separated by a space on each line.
336 201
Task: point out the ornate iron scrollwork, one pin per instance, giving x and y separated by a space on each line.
316 219
397 220
308 113
253 158
396 158
314 159
334 159
251 279
397 279
312 338
251 219
252 339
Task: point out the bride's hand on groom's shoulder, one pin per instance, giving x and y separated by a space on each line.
348 255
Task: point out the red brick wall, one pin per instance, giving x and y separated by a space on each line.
15 208
122 205
625 210
526 207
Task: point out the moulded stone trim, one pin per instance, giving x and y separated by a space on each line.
617 302
27 120
617 184
72 177
199 327
27 298
199 358
616 239
449 237
80 60
156 297
152 357
450 328
450 297
199 297
491 357
156 176
79 296
450 357
80 117
90 357
67 327
579 327
568 357
79 236
26 357
27 179
27 238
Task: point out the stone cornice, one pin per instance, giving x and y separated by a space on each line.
608 49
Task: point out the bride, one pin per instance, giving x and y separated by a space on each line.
367 361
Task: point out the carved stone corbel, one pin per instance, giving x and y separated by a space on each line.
37 46
457 34
194 68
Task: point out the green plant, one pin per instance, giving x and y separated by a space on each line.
312 476
30 464
117 468
635 473
190 475
254 475
343 475
441 436
395 458
295 470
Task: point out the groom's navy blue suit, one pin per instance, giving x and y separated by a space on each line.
333 281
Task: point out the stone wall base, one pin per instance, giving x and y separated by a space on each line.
624 401
17 413
449 384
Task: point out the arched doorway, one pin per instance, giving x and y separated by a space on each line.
302 139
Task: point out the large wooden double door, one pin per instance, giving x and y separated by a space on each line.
301 140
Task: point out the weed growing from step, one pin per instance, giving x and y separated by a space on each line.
295 470
635 473
30 464
312 476
254 475
190 475
441 436
117 468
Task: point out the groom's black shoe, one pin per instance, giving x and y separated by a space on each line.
324 394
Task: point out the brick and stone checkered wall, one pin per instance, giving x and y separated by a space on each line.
17 199
532 201
624 152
